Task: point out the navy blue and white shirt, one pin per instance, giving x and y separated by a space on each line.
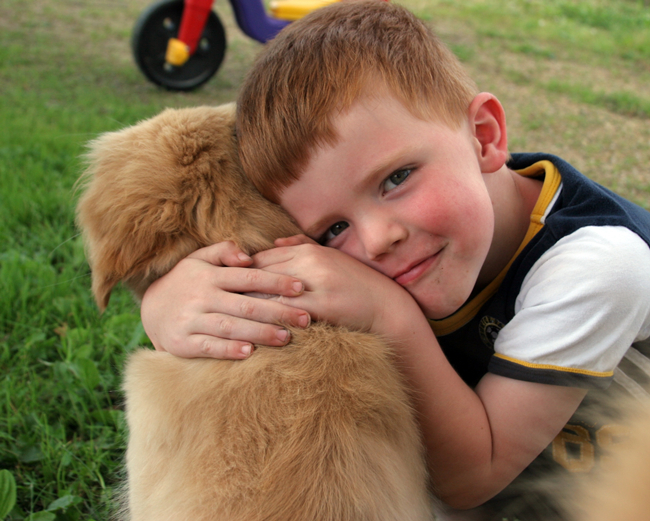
571 308
573 299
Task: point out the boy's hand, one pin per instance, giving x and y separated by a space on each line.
198 309
338 289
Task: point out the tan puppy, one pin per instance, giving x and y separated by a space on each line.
319 430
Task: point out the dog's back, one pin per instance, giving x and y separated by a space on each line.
320 430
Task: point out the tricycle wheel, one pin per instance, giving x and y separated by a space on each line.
153 29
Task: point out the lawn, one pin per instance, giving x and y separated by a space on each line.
572 75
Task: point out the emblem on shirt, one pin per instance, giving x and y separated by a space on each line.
489 328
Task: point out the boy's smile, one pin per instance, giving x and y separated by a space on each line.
404 196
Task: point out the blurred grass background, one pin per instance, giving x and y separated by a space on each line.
572 75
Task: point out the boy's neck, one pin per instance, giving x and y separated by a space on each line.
513 199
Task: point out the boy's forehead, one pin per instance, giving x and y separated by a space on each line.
365 129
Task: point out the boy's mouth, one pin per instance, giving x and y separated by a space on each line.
415 270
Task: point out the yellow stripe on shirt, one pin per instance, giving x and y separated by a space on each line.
607 374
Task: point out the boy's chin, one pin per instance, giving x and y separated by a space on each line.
439 313
439 308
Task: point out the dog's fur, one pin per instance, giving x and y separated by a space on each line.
319 430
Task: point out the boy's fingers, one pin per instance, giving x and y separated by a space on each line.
276 256
245 280
203 346
252 319
215 342
294 240
222 254
232 328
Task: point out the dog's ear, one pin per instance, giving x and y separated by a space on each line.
157 191
141 190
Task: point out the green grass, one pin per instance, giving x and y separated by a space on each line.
65 77
614 30
621 102
572 75
598 33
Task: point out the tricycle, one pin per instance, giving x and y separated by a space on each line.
180 44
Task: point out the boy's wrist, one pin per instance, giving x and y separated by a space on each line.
398 318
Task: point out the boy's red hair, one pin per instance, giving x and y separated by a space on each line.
318 66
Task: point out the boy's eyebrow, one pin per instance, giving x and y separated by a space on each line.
387 163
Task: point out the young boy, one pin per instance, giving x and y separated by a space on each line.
535 280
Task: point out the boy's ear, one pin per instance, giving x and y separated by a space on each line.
487 121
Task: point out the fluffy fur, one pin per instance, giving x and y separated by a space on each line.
319 430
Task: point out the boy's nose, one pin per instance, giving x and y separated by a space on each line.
380 237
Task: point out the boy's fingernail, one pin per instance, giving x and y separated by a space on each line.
304 320
297 287
282 335
243 257
246 349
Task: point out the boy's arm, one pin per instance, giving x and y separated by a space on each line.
477 441
198 309
583 304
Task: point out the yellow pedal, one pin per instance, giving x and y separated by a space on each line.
177 53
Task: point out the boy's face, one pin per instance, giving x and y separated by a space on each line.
402 195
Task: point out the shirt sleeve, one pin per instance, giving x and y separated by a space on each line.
581 306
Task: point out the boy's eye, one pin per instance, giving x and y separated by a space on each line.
333 231
396 178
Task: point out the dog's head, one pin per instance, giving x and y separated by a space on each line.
156 191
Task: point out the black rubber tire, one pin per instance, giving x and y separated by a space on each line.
153 29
